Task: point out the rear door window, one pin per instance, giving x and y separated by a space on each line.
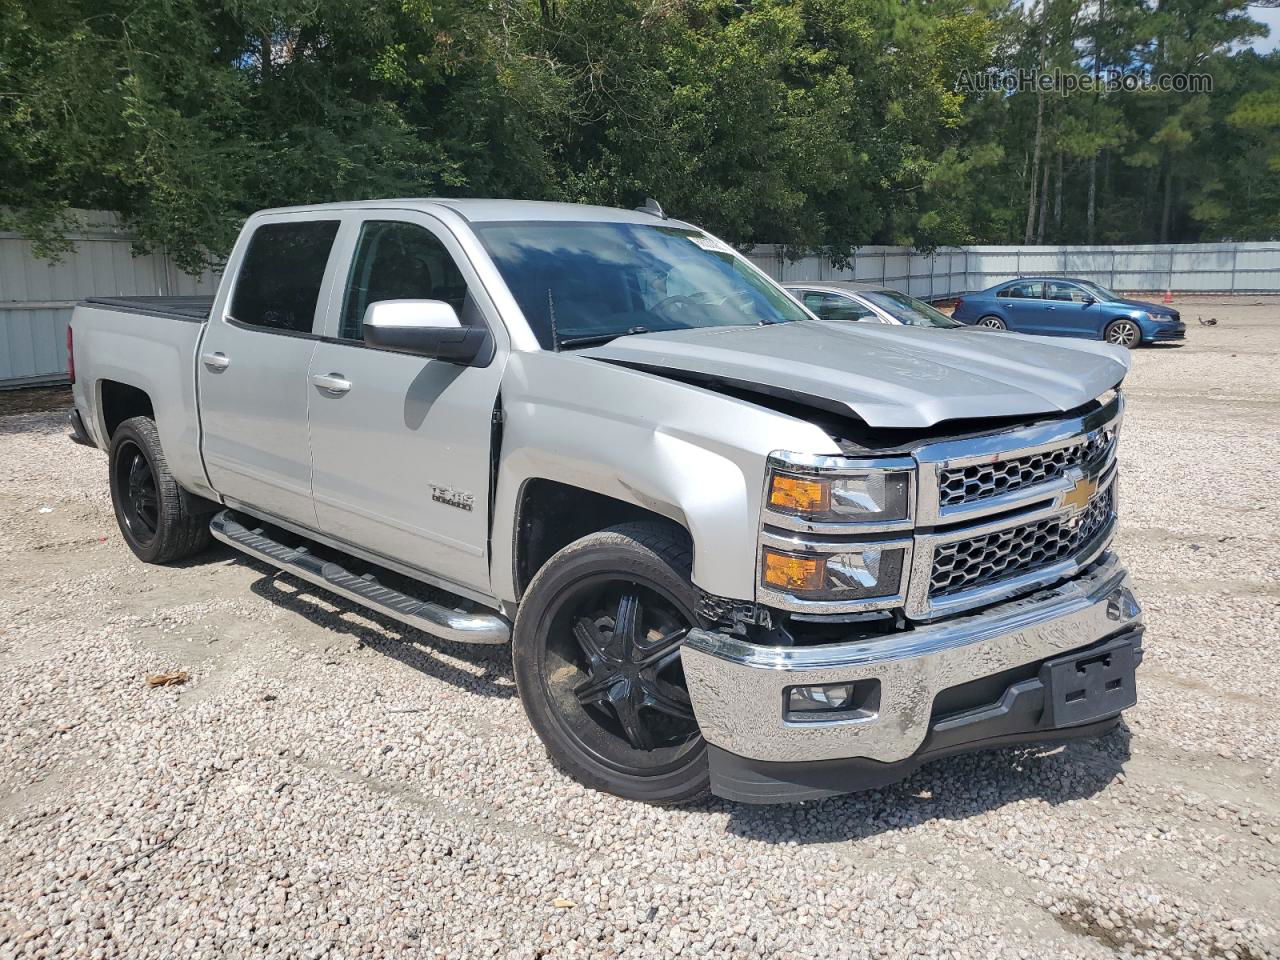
1027 290
279 280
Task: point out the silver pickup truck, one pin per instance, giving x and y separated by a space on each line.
731 546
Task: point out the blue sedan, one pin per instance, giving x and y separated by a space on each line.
1061 307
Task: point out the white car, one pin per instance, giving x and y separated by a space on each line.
869 302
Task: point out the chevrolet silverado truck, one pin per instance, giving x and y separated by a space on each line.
732 547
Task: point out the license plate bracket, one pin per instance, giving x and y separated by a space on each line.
1090 684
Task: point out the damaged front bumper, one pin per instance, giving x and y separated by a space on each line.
1056 664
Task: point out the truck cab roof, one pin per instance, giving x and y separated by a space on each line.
496 210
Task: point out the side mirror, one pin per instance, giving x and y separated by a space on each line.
428 328
1089 300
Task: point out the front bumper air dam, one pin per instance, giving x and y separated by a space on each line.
758 755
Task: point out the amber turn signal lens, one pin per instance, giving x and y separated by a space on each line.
799 494
790 572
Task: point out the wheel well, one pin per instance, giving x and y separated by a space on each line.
120 401
551 515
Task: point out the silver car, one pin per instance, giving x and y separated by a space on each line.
732 547
870 302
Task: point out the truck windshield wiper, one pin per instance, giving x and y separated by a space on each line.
594 338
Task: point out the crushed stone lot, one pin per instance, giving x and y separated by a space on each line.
330 783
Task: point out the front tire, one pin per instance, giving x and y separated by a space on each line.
596 655
992 323
152 514
1123 333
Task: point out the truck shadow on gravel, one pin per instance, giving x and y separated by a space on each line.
413 648
954 788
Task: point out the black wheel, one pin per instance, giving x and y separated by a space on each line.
596 651
992 323
1124 333
149 507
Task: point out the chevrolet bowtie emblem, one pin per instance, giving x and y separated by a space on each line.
1079 495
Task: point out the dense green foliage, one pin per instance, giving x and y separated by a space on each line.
822 124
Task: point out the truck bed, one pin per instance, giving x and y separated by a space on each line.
192 309
148 345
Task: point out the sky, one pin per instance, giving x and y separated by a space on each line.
1271 17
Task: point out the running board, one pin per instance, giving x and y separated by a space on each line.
436 619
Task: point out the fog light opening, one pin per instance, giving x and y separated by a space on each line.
850 700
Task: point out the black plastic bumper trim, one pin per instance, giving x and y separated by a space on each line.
78 433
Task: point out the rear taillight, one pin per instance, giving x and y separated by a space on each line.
71 356
959 304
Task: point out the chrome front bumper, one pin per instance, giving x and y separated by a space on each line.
738 688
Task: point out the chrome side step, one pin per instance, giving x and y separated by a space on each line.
434 618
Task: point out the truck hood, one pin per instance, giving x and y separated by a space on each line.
887 376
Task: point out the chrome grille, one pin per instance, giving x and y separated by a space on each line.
983 480
978 561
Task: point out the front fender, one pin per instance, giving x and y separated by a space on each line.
681 451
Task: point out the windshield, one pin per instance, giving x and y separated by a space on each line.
1099 291
909 310
593 281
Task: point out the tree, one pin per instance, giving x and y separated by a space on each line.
818 124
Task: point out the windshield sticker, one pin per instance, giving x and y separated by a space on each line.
711 244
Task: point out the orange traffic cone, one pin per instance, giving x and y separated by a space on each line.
1168 295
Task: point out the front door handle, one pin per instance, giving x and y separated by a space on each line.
333 383
216 361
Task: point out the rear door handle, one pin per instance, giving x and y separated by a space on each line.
216 361
333 383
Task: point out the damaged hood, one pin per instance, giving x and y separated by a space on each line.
887 376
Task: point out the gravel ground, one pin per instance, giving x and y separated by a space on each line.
330 783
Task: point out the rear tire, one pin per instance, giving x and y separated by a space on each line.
596 657
992 322
153 516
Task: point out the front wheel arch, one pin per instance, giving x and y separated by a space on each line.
550 515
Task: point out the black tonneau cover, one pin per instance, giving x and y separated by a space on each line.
191 309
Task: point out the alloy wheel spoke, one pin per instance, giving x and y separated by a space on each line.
667 698
627 707
590 639
137 474
626 625
664 651
595 689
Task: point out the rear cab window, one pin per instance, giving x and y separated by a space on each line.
278 285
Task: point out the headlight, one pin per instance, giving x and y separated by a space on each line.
836 532
860 573
870 496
